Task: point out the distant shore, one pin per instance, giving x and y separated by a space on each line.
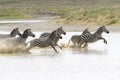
48 26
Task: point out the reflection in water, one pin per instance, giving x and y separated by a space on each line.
95 51
69 64
43 52
88 51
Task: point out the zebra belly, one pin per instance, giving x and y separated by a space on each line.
92 40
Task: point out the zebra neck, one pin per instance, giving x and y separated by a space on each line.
12 35
24 36
50 39
98 32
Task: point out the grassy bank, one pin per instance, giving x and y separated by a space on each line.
79 12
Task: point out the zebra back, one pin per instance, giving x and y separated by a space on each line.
86 32
44 35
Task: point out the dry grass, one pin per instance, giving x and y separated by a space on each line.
79 12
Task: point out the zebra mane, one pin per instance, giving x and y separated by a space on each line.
86 31
26 30
101 27
12 32
52 33
25 34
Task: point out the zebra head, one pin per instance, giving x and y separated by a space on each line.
61 31
86 32
58 35
27 33
15 32
104 29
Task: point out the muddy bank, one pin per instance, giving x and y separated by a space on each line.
50 25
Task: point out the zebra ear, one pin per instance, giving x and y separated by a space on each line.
61 27
103 26
86 28
29 29
17 28
52 33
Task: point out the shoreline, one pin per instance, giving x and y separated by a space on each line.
48 26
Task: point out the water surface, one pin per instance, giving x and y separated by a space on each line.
97 62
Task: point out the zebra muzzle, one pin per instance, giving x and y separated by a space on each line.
61 37
33 35
64 33
107 31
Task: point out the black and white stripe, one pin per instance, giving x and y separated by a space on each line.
24 36
41 42
19 40
18 43
76 38
90 38
46 35
13 33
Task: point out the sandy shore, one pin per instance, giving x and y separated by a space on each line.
48 26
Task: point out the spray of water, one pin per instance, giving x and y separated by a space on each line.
8 46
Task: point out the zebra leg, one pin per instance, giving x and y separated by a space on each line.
68 42
80 45
105 41
74 45
85 45
54 48
59 46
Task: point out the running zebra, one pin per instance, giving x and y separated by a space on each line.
76 38
13 33
90 38
46 36
24 36
16 44
19 40
41 42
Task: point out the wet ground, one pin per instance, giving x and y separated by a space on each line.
97 62
48 25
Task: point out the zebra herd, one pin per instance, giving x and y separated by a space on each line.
87 37
51 39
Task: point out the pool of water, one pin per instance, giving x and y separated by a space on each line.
97 62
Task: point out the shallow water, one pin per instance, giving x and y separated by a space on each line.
22 21
97 62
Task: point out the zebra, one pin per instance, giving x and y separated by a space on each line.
19 40
90 38
24 36
41 42
13 33
46 35
18 43
75 38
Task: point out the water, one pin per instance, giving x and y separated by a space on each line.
22 21
97 62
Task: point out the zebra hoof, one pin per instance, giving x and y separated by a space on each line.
57 52
61 48
105 42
